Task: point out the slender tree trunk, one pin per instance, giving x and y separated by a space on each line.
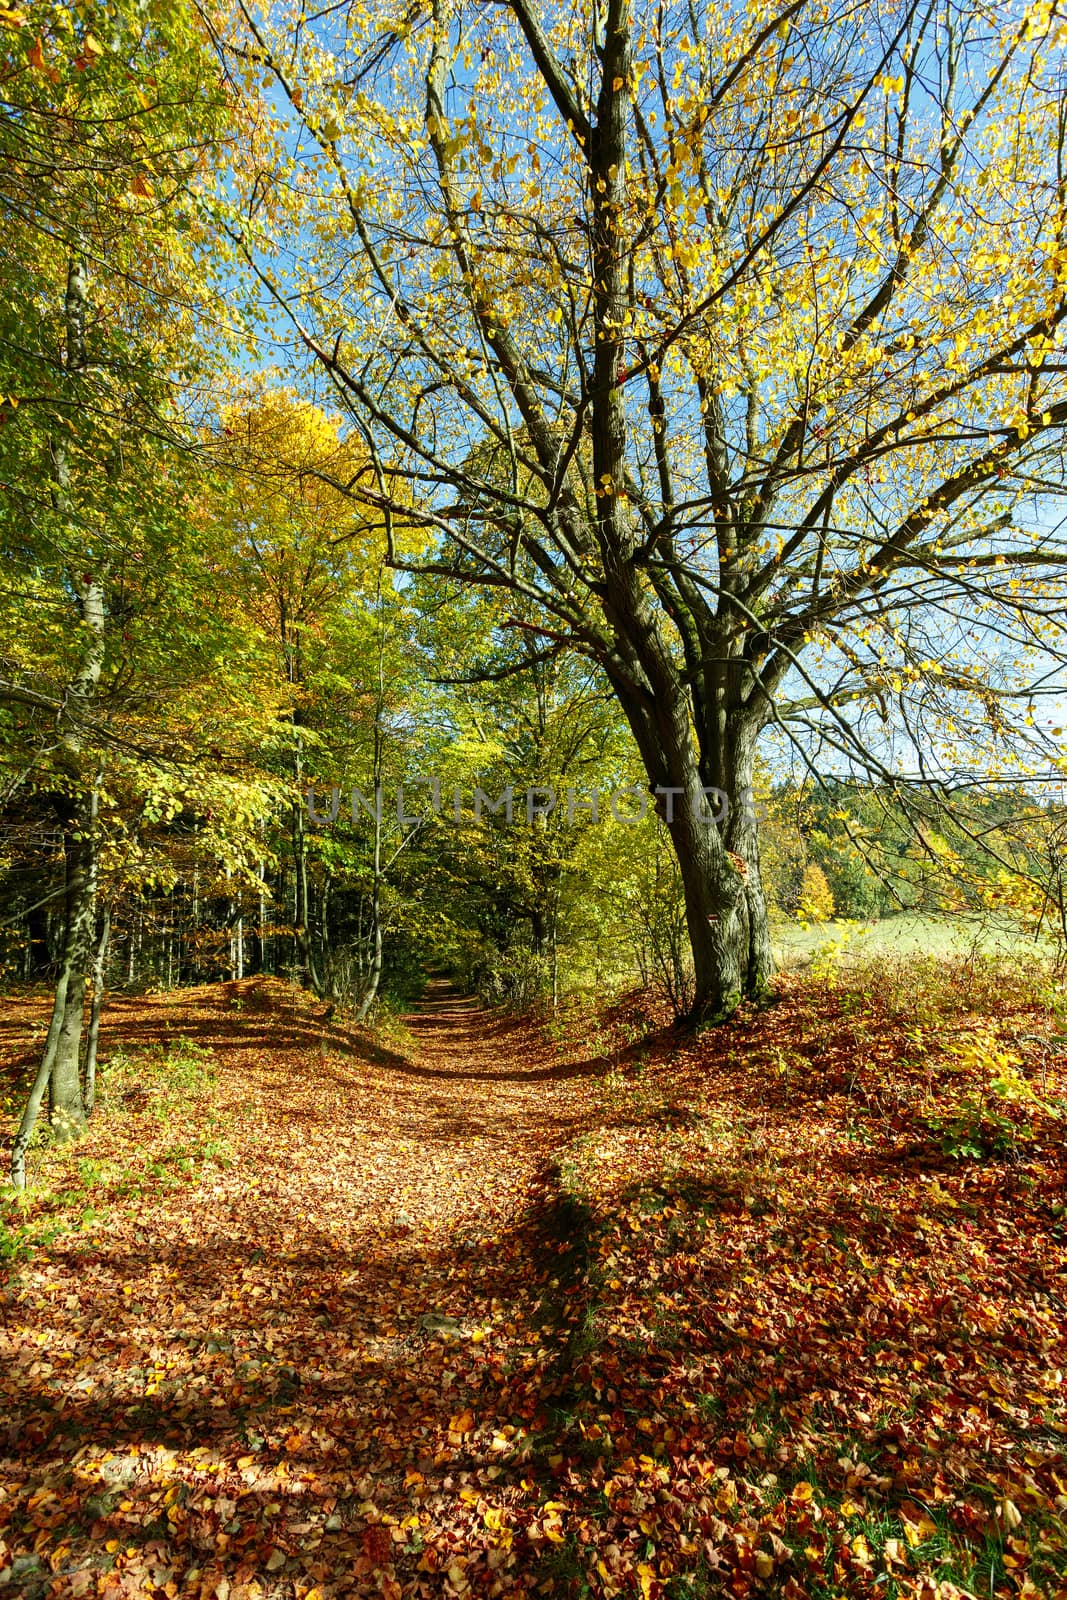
65 1094
39 961
99 978
330 968
44 1073
374 968
63 1046
194 924
554 936
231 967
261 925
307 967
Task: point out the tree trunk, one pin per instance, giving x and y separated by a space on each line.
307 968
727 920
63 1045
44 1073
554 947
741 834
231 967
39 963
65 1093
261 925
710 817
374 968
695 720
194 927
54 1072
93 1037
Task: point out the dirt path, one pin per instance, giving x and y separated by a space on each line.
289 1371
473 1316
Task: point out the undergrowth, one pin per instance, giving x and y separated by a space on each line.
153 1126
801 1291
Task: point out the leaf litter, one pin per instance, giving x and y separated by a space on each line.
493 1308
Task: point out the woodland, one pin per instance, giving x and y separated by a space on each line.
533 920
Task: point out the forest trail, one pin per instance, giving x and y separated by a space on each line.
231 1381
457 1311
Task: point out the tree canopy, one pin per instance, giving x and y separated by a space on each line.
485 398
729 347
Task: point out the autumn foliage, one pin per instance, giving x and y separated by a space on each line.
661 400
480 1311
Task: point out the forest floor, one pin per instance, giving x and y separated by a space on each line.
483 1307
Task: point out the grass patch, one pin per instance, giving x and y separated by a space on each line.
153 1127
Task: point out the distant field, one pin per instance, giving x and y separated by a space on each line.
906 934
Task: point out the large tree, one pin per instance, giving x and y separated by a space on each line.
724 338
